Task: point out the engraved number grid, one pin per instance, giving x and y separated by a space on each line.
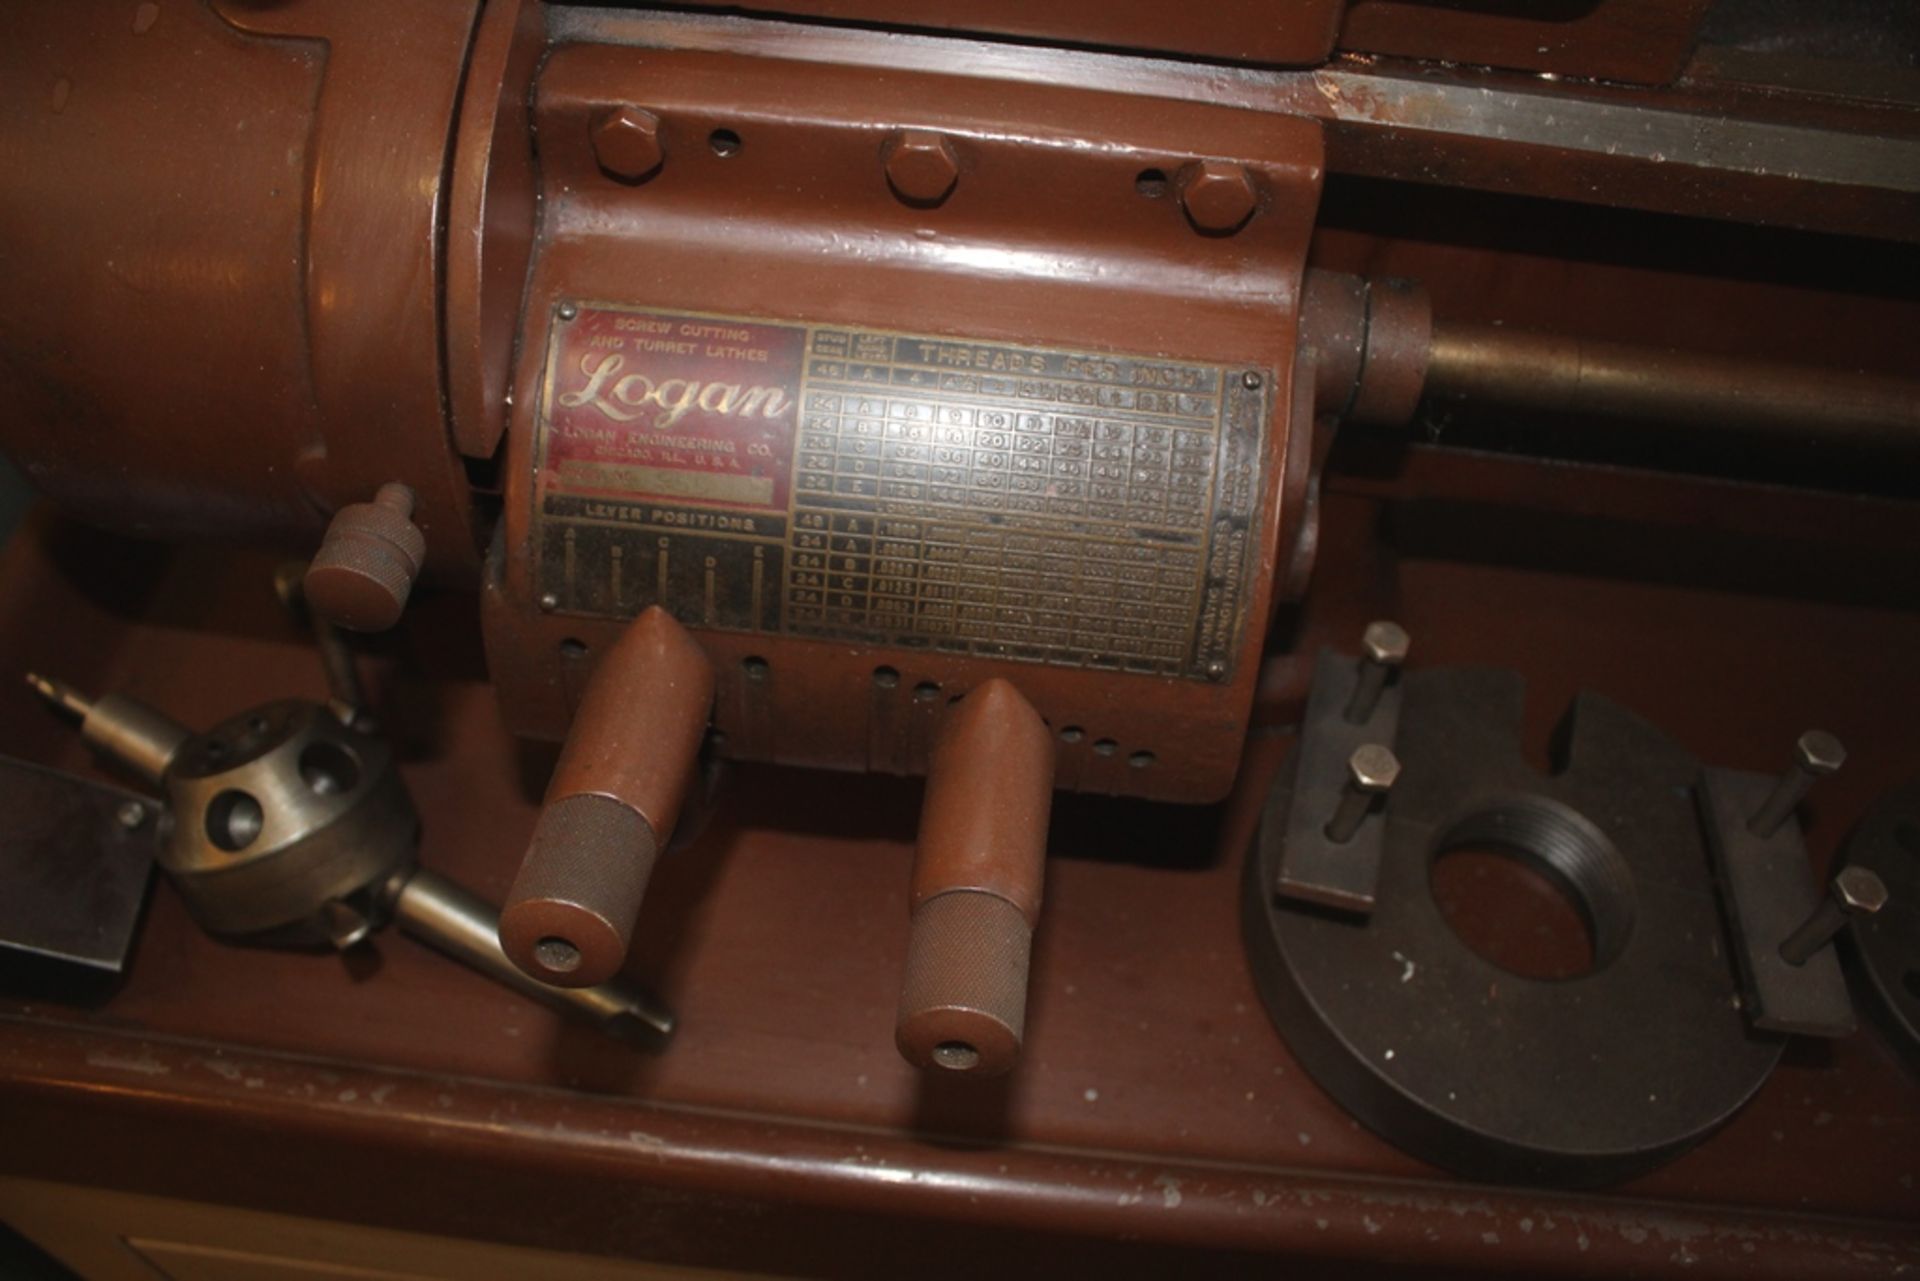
1032 515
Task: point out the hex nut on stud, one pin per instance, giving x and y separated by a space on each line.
626 143
364 571
1816 753
1371 772
1859 890
1385 643
1218 196
1819 752
1373 768
921 165
1854 891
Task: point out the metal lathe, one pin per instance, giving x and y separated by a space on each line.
840 639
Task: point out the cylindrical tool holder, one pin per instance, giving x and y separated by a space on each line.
976 885
611 807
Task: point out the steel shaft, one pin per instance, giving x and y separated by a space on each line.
452 920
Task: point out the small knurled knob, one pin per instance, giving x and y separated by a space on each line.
364 571
570 916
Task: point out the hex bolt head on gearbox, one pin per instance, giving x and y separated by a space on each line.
1218 196
627 143
921 166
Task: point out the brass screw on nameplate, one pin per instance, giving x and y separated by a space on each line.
1371 772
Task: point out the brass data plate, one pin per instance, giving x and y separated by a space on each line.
1025 503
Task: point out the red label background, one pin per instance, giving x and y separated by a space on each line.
761 446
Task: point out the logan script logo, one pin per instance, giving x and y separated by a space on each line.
634 396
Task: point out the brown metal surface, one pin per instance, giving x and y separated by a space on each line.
978 871
611 807
490 216
1047 240
1634 41
984 825
1701 147
222 273
783 1132
639 724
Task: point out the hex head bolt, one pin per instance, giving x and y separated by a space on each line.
364 571
1383 649
1854 892
1371 771
1815 753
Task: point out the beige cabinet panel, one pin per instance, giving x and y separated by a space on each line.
117 1236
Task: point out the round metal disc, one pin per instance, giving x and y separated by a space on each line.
1573 1081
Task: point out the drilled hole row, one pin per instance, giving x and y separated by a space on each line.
1151 183
927 691
756 670
924 692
